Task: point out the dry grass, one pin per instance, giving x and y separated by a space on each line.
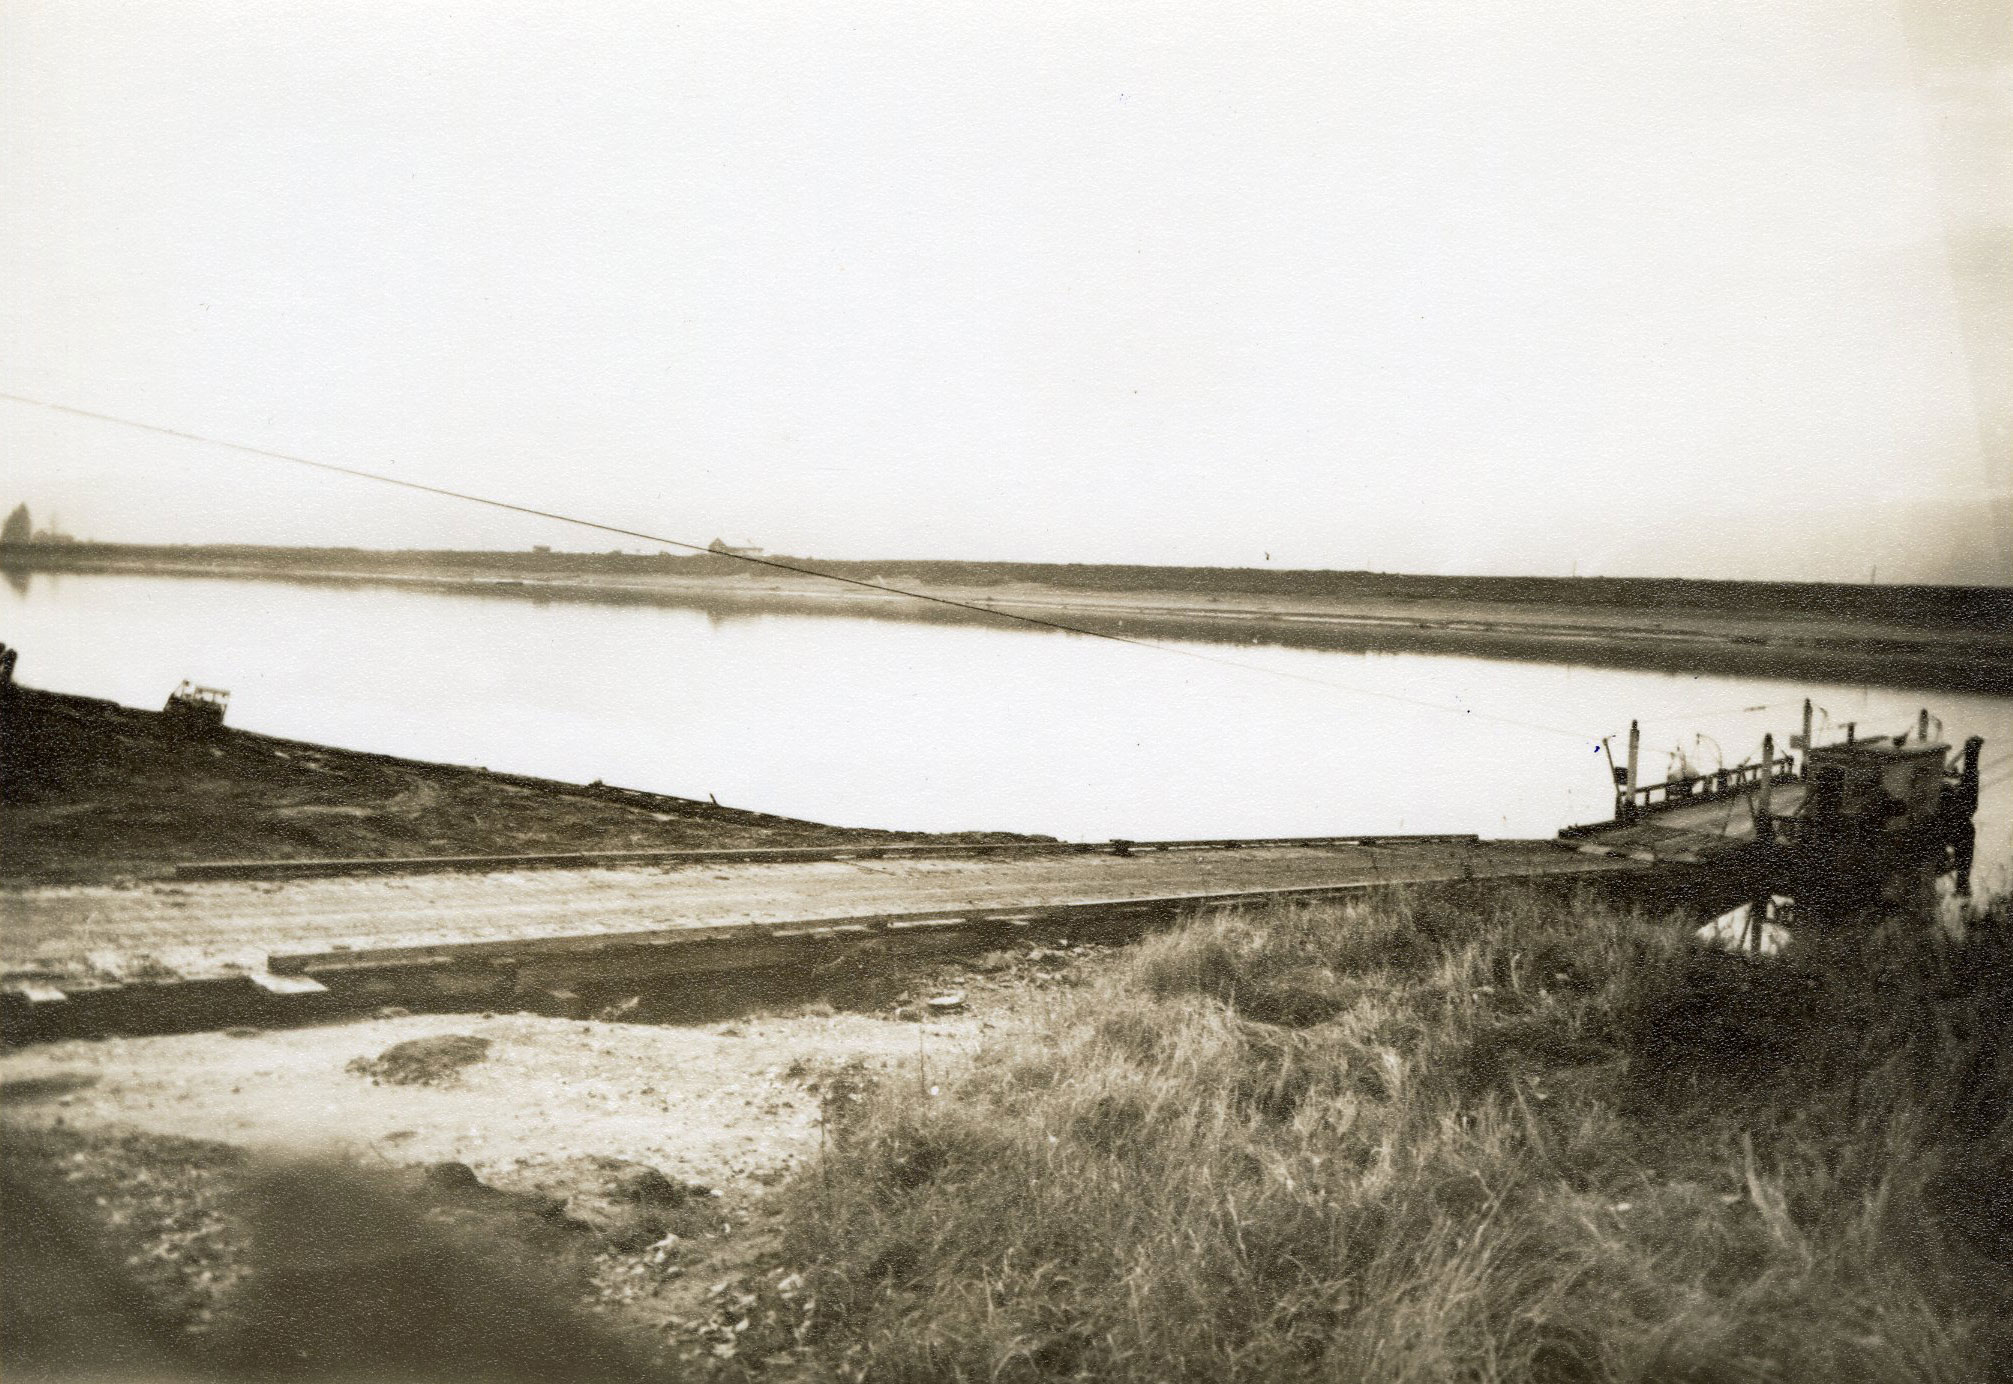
1506 1139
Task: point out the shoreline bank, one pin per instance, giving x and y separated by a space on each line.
1958 655
96 792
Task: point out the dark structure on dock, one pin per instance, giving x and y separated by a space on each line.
194 711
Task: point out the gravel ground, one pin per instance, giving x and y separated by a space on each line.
153 1142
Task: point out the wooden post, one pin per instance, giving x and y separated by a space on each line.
1764 818
1806 735
1628 811
1922 726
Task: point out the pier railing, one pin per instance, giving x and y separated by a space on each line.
1701 788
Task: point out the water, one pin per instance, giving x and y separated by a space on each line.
934 727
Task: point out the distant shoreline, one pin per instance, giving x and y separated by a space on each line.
1943 638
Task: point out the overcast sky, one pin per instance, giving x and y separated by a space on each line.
1709 288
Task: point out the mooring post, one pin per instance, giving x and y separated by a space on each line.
1628 802
1922 726
1806 735
1764 822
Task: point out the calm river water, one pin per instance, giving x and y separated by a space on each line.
932 726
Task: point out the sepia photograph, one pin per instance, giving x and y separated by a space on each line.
1212 692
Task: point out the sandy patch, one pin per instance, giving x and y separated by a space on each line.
713 1104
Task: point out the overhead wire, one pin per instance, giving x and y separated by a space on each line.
974 607
1665 718
881 587
1668 716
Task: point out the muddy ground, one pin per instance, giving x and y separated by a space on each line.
152 1139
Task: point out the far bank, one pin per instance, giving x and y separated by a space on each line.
1947 638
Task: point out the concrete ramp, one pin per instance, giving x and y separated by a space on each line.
450 933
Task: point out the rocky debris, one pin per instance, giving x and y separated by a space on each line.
423 1061
170 1200
455 1177
457 1187
944 991
935 1007
629 1206
762 1317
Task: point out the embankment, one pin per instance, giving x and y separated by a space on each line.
91 791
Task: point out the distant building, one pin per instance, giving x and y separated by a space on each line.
19 528
726 549
541 547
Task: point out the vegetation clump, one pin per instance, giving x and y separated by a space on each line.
430 1061
1505 1138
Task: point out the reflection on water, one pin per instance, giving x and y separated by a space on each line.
930 726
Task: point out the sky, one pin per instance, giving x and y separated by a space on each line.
1703 289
